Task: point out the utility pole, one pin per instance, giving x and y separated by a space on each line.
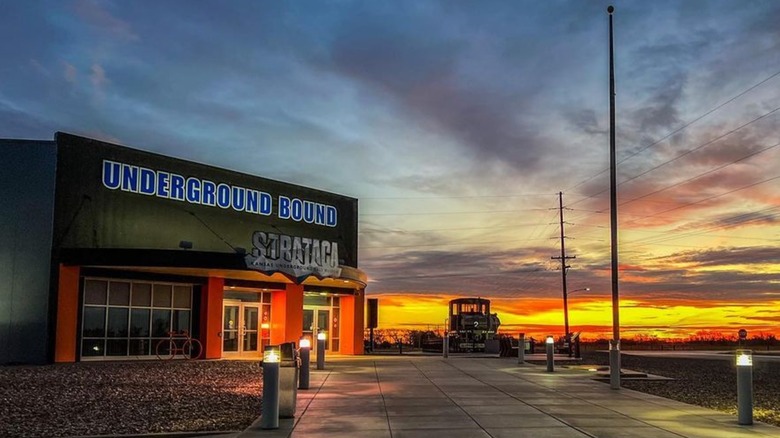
563 259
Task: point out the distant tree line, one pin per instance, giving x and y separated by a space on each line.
392 338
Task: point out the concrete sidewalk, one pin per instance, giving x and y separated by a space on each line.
419 396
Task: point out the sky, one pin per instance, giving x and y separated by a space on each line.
457 125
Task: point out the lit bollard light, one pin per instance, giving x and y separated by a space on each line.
305 350
549 345
745 387
321 342
269 418
521 349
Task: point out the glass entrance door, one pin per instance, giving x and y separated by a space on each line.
240 334
315 320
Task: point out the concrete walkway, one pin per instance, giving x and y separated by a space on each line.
419 396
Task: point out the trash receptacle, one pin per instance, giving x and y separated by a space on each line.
288 380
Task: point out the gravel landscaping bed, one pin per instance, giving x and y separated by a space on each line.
90 398
708 383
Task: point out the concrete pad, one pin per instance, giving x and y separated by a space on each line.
449 433
415 411
421 402
426 422
575 409
632 432
342 423
536 432
516 421
346 401
517 409
345 411
616 420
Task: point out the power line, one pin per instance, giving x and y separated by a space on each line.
683 154
462 243
642 149
709 198
702 174
449 229
734 220
455 197
452 212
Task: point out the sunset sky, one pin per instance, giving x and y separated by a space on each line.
456 124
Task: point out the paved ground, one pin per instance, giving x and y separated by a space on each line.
419 396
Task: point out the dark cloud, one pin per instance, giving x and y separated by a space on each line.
476 271
585 120
751 255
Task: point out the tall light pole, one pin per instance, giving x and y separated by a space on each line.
614 348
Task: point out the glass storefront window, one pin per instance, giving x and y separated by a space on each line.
119 295
161 296
127 318
182 296
95 292
139 347
161 323
181 320
117 322
116 347
142 295
139 323
94 322
93 347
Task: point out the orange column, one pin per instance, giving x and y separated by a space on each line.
287 314
65 347
352 310
211 317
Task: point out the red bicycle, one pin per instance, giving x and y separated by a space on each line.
179 343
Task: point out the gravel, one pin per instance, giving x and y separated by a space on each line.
91 398
708 383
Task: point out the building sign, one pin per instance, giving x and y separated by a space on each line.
113 197
169 185
293 255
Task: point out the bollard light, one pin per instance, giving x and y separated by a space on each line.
521 348
321 343
549 345
305 351
744 358
272 354
269 418
445 340
745 387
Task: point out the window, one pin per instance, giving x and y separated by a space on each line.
123 318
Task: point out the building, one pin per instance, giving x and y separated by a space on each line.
104 249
